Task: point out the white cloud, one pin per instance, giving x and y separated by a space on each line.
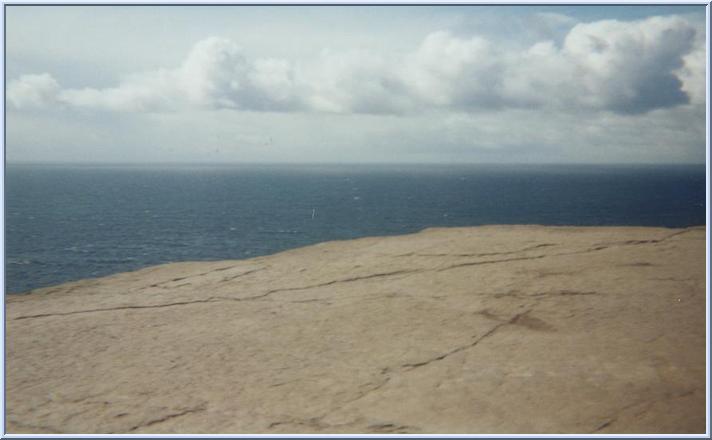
354 81
692 72
629 67
151 91
273 81
213 73
540 77
451 71
32 91
623 67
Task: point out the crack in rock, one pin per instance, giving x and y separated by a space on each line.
542 295
386 371
585 251
604 425
312 300
564 293
109 309
314 422
483 254
168 417
477 263
677 280
220 269
392 428
648 405
375 387
242 274
490 332
350 280
222 298
328 283
601 246
344 280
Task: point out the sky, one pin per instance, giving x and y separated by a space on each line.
403 84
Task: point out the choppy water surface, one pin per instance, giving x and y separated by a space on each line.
71 222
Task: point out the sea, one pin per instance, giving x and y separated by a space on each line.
69 222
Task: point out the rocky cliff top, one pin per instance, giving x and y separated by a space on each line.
497 329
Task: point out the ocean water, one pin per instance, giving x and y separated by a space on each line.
68 222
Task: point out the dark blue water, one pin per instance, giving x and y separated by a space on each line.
71 222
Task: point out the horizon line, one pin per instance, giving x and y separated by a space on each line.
345 163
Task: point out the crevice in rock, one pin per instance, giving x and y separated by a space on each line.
239 275
478 263
167 417
490 332
601 246
356 278
385 372
647 406
564 293
604 425
585 251
677 280
350 280
483 254
541 295
224 298
109 309
374 387
329 283
312 300
314 422
162 284
392 428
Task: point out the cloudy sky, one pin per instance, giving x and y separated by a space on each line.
481 84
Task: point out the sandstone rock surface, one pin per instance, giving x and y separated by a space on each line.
496 329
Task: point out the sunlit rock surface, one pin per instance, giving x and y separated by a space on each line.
498 329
